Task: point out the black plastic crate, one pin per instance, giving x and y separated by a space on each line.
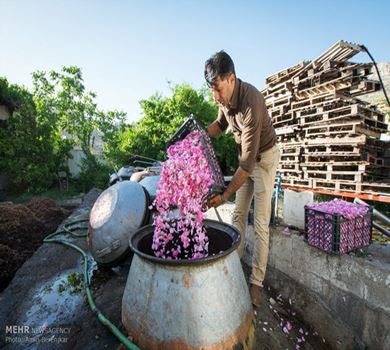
335 234
190 125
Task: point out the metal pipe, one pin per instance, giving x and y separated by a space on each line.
219 216
142 162
277 191
377 214
143 157
381 229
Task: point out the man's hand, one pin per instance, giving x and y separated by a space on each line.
238 179
213 130
216 201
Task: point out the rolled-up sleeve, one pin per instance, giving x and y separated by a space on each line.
221 120
250 136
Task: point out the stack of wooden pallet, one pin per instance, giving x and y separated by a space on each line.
329 139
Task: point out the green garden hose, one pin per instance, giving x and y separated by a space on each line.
69 230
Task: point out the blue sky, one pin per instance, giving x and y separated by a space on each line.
128 50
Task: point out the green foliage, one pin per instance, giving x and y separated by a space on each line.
63 97
26 143
94 173
45 125
161 119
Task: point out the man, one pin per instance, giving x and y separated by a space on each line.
242 109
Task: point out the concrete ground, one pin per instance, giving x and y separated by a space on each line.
47 292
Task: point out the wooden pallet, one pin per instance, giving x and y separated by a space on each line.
289 159
340 51
379 161
374 188
318 114
327 136
277 111
338 140
331 151
381 144
278 89
367 122
337 111
280 101
287 166
356 69
329 74
286 131
284 120
340 175
333 176
344 153
343 157
349 128
314 101
339 117
334 64
371 112
292 144
354 86
290 172
297 182
346 166
314 78
365 87
326 102
290 162
284 74
290 150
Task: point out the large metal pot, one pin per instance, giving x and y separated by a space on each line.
188 304
150 184
118 212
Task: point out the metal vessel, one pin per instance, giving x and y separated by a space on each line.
150 184
118 212
188 304
123 174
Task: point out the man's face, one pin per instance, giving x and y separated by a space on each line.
222 90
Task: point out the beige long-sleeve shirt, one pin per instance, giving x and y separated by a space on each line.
247 117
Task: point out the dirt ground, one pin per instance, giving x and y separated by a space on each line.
47 292
22 229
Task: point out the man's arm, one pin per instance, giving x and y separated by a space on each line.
214 130
238 180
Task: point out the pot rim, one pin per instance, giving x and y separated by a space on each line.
145 230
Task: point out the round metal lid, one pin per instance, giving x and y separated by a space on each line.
150 184
119 211
103 207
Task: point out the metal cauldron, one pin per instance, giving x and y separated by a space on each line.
123 174
118 212
188 304
150 184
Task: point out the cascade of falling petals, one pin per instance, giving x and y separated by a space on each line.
185 180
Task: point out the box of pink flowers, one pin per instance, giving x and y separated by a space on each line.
338 226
